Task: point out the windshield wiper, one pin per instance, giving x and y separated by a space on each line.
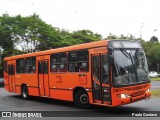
126 53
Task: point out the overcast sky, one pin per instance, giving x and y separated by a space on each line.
100 16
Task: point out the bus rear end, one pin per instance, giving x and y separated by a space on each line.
129 72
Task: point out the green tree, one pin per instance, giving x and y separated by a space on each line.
152 51
123 37
78 37
28 34
131 37
6 30
111 37
154 39
85 36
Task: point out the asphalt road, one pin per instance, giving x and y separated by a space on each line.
13 102
155 85
1 81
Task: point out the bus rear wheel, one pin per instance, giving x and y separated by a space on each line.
24 92
81 99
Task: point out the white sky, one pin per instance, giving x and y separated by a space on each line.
99 16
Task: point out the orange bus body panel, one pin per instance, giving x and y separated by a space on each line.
57 85
33 91
61 85
138 92
64 49
62 94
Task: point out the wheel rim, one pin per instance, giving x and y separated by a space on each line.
25 93
84 99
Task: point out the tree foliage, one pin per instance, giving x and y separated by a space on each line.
154 39
121 37
78 37
152 51
29 34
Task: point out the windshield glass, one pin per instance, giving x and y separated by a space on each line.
130 67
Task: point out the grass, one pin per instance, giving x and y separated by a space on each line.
155 79
155 93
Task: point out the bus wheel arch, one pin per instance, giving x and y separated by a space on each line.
24 91
81 97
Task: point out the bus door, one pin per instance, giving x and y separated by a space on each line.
43 77
11 77
100 79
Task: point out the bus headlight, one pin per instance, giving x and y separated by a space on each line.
123 95
148 90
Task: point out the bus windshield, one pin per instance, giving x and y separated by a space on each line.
130 67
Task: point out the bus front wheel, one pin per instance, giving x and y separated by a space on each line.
24 92
81 99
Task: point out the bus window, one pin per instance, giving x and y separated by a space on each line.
45 67
74 67
58 62
20 66
78 61
11 69
40 67
96 68
5 65
104 62
31 65
54 63
62 62
54 68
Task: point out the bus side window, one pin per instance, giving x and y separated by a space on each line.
62 62
84 67
58 62
45 69
11 69
40 67
54 63
20 66
31 65
78 61
105 73
74 67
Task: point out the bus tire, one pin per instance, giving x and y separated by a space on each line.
24 92
81 99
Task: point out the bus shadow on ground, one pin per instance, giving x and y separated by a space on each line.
92 110
43 101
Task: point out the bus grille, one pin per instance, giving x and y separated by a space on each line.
137 93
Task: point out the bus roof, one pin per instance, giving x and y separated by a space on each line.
63 49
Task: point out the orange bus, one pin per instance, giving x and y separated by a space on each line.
107 72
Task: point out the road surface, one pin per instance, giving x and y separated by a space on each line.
155 85
13 102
